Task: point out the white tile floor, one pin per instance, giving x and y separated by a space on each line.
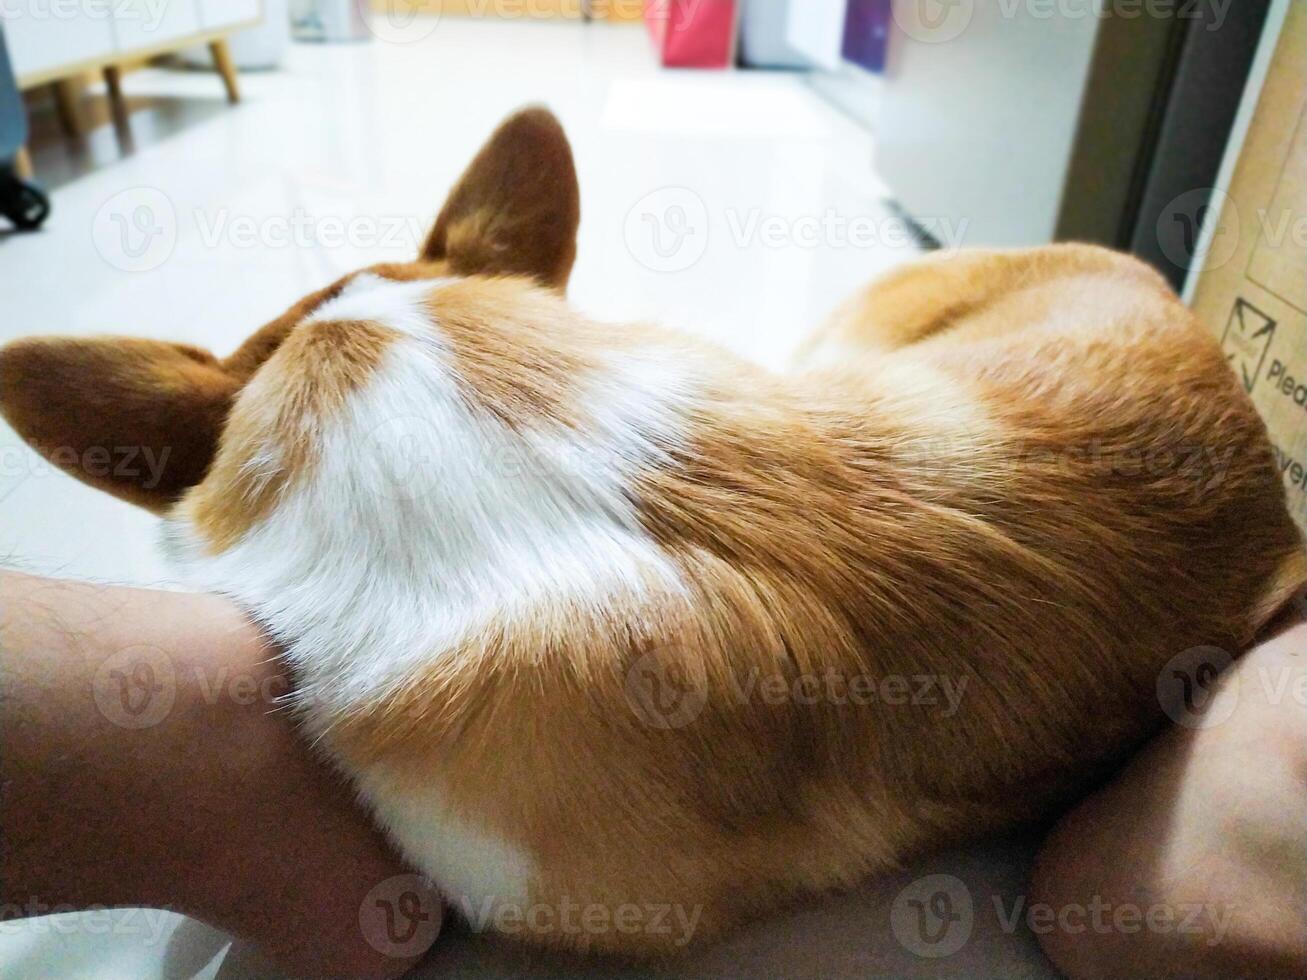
738 205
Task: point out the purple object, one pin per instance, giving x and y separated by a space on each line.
866 33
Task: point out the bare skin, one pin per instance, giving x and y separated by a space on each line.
1207 823
193 794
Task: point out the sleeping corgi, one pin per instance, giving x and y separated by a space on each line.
604 617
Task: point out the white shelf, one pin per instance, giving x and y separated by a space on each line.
44 47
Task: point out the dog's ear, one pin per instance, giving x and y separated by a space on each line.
516 209
138 418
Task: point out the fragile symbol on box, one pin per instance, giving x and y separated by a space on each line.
1247 340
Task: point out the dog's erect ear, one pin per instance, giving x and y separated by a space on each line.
516 208
138 418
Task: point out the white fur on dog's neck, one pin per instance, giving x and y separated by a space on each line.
425 523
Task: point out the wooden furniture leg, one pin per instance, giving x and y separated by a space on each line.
113 81
23 163
68 102
226 67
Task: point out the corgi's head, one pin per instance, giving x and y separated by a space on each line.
513 216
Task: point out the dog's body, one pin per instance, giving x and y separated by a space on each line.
609 617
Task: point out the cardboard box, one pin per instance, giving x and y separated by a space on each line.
1253 291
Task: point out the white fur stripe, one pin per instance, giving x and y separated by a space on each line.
370 298
423 524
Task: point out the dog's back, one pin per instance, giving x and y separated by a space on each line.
1085 470
862 610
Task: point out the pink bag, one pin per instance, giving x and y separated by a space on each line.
693 33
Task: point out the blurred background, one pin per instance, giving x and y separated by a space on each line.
187 169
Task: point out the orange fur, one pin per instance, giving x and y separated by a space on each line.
268 441
1029 473
973 511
